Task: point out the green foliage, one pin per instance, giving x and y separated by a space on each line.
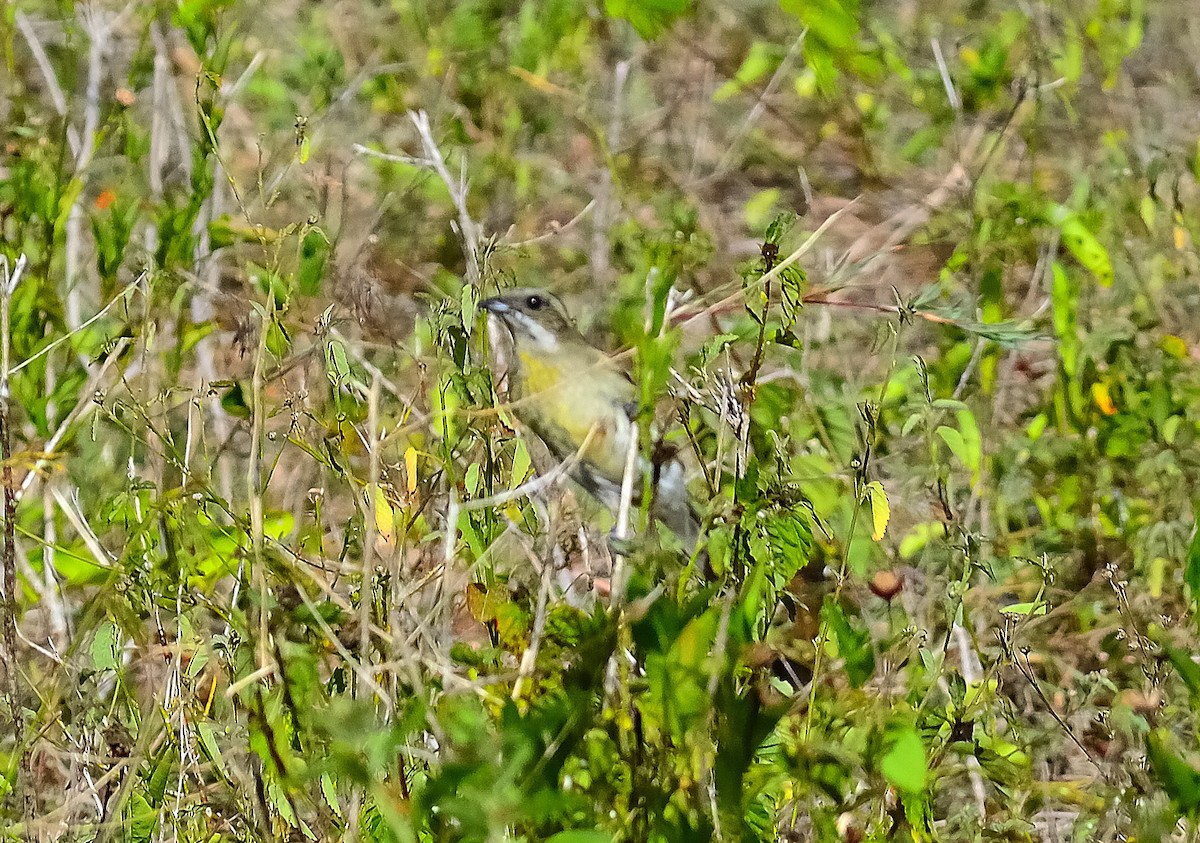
909 290
649 17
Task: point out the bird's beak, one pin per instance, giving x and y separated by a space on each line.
496 306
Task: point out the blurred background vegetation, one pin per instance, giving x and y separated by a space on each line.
911 285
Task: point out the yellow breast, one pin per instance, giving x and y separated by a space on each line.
568 399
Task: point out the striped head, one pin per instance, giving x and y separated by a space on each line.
536 319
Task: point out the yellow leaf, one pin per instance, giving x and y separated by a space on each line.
881 510
410 468
1103 398
1174 346
1158 569
539 83
385 519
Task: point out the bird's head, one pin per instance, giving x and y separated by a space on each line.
536 319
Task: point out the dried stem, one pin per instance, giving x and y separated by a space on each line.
8 657
57 98
756 112
99 25
371 528
617 597
8 623
602 219
468 230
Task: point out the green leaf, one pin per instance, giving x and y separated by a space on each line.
783 222
1179 779
789 535
580 835
1187 669
953 440
67 201
468 306
1191 570
329 791
919 536
649 17
1037 427
854 645
949 404
521 465
235 401
140 820
965 443
156 788
1082 244
279 342
715 346
314 254
337 364
1024 609
904 764
278 799
105 644
759 206
1065 300
832 32
972 441
1008 333
676 678
760 60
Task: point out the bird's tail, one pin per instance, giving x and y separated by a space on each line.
673 509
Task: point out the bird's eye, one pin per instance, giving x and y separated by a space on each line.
535 302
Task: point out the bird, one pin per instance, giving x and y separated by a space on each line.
582 404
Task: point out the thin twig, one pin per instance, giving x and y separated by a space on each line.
8 624
972 671
896 229
70 509
57 98
98 24
602 219
468 230
533 486
254 486
1027 671
760 106
767 277
944 71
529 657
87 402
365 588
120 297
617 597
717 660
359 149
358 667
555 228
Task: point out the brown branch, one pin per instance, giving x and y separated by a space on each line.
8 646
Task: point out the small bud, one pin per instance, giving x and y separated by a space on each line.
886 584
